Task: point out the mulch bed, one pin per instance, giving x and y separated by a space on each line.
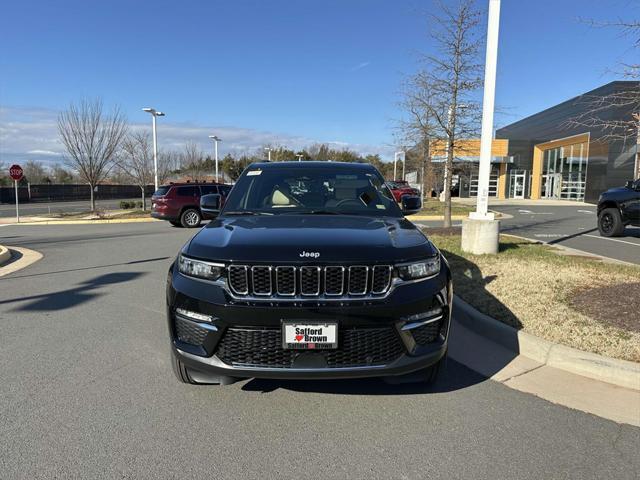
616 305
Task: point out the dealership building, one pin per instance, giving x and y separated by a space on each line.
548 156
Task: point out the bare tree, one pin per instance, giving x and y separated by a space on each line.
440 97
192 161
168 162
34 171
92 139
617 114
136 160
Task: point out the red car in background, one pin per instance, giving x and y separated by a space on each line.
400 188
179 203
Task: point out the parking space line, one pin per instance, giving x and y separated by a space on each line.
612 239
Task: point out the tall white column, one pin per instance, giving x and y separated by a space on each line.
488 103
155 152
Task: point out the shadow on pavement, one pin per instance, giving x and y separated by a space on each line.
466 348
133 262
453 376
72 297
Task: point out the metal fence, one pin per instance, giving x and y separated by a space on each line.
63 192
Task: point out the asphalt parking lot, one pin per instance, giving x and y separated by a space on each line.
570 226
88 392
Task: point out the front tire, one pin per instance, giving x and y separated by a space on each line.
610 223
181 372
190 218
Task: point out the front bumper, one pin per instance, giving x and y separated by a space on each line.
372 341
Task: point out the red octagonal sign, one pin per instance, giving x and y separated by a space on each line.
15 172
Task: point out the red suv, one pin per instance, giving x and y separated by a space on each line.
179 203
400 188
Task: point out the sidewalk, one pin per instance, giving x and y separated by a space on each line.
523 366
524 202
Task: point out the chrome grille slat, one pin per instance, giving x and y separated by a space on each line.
309 281
286 281
261 280
358 280
381 279
334 280
239 279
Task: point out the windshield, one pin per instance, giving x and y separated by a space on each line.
161 191
328 191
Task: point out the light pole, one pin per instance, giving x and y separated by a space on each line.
215 139
268 149
480 232
398 155
154 113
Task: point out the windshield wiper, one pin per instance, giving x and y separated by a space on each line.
246 212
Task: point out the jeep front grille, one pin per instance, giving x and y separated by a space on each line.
308 281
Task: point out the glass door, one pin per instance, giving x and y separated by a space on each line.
517 185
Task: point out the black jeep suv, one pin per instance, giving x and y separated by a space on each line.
309 271
619 207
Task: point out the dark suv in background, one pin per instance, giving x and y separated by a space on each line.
618 207
179 203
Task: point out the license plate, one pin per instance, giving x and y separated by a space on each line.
310 335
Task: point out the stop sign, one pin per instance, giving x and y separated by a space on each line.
15 172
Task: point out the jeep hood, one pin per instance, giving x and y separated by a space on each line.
284 238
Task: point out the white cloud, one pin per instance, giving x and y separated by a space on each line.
32 133
359 66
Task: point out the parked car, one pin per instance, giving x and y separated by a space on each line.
399 188
179 203
618 207
310 271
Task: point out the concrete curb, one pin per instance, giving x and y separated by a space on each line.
25 257
5 254
88 222
573 251
499 216
617 372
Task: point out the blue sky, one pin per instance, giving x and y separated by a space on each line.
277 71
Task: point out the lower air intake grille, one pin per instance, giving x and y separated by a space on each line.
262 347
189 332
427 333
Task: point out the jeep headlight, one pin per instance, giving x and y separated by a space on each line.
199 269
422 269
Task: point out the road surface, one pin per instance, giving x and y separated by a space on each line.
88 392
570 226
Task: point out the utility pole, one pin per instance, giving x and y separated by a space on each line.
480 232
215 139
154 113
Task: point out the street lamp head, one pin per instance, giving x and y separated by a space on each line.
215 138
153 112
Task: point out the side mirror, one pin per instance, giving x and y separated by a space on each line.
630 185
210 205
411 204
